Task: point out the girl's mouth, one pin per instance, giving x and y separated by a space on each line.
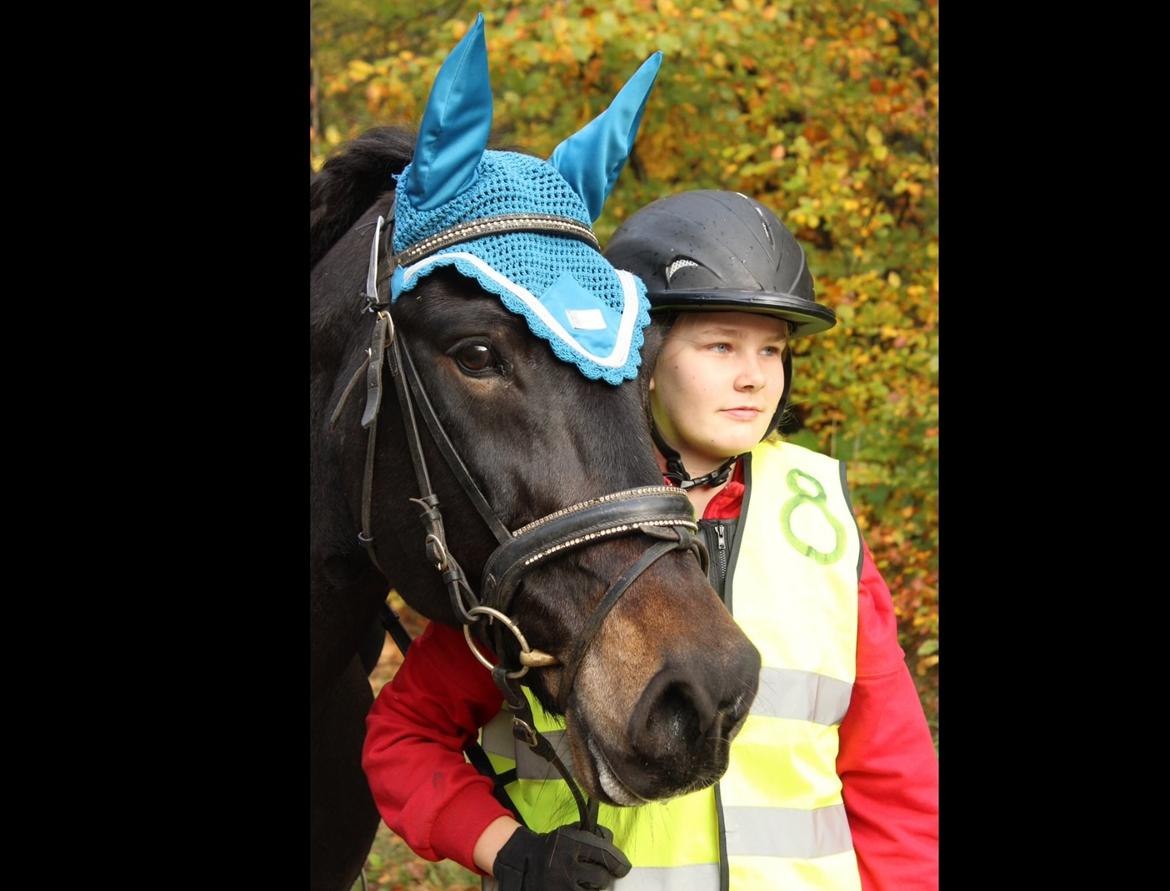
742 413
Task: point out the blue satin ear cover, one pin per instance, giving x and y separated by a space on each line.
455 126
592 158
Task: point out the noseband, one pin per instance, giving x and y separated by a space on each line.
661 513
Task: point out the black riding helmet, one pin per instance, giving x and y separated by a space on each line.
719 252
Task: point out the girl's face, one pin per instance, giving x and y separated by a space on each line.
717 384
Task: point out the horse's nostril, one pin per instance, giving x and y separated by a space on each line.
681 728
675 714
669 731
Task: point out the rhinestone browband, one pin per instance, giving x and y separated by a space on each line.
593 502
508 222
668 522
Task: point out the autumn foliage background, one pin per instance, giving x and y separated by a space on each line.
825 110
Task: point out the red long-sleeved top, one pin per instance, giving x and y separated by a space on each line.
440 805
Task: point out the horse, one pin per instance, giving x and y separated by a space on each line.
537 489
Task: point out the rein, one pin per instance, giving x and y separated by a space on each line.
659 512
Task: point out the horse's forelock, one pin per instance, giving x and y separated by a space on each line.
352 181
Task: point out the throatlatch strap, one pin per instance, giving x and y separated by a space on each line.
357 375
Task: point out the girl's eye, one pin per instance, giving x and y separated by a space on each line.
720 347
771 351
474 358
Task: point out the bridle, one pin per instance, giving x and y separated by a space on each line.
661 513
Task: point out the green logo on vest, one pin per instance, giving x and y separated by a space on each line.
817 499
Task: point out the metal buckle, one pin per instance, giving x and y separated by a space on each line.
523 732
436 551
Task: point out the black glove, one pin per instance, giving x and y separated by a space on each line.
566 859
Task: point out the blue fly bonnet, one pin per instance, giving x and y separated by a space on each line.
521 226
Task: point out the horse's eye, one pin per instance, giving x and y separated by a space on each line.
474 358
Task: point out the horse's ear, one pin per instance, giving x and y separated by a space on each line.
592 158
455 126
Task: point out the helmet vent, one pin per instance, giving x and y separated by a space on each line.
679 263
764 223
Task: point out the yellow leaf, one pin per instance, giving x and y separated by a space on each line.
359 70
873 135
880 152
894 280
927 663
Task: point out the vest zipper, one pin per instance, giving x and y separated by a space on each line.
721 537
716 537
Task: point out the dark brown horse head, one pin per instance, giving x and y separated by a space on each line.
667 677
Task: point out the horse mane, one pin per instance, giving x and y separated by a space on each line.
352 181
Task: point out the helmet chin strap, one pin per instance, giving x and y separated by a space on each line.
677 474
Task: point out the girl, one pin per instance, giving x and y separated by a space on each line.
833 780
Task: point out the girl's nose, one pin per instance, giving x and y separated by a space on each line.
751 374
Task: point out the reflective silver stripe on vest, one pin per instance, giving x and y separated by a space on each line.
787 832
802 695
700 877
498 740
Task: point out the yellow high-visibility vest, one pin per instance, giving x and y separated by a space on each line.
777 812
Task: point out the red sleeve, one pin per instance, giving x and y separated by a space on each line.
415 732
886 761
